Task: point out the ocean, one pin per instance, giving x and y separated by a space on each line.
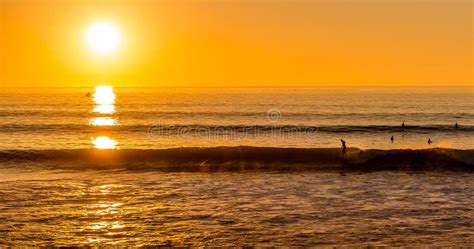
236 166
156 118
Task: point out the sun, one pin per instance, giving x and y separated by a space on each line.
103 37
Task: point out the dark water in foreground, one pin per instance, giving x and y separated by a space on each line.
94 207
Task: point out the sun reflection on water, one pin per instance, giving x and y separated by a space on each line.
104 100
103 121
98 225
105 211
107 208
104 142
104 95
104 109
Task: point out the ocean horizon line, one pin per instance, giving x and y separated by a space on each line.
244 87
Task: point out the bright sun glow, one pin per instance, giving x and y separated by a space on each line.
103 121
104 142
104 95
103 37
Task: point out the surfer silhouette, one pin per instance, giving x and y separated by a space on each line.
343 147
403 126
429 141
391 139
456 126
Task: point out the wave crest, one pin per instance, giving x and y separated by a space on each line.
242 158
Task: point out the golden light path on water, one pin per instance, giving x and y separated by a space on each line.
104 142
104 100
103 121
104 109
101 213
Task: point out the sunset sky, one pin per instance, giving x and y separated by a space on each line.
212 43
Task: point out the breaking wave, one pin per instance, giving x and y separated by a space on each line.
242 158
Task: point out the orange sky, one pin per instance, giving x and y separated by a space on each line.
176 43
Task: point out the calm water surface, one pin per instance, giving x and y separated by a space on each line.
277 117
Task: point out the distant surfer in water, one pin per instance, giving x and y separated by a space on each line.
403 126
456 126
343 147
429 141
391 139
